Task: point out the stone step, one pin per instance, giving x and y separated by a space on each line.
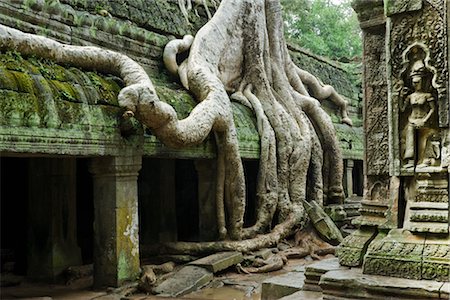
219 261
353 284
186 280
283 285
314 271
304 295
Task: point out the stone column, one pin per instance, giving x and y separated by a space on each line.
375 204
52 235
349 177
206 170
116 239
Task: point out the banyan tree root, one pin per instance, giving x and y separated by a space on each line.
239 54
273 263
308 242
151 273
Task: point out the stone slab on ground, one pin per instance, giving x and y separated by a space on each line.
445 291
314 271
264 253
219 261
282 285
353 284
186 280
304 295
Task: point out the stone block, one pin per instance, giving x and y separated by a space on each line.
354 246
352 284
186 280
394 7
219 261
282 285
309 295
445 291
406 255
316 270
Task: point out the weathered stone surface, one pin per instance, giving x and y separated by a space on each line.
188 279
344 284
445 291
393 7
116 238
306 295
219 261
282 285
316 270
263 253
351 251
403 254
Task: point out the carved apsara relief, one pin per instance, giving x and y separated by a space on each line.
420 139
426 26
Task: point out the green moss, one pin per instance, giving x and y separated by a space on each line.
24 81
180 99
7 80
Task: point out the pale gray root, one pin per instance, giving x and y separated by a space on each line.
250 29
151 273
315 190
307 240
267 183
321 92
281 231
173 48
266 82
273 263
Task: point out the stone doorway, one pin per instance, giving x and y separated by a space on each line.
46 216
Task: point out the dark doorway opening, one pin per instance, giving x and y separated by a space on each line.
14 211
85 210
358 178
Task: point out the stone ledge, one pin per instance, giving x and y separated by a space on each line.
219 261
353 284
282 285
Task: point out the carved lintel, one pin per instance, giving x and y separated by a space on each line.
393 7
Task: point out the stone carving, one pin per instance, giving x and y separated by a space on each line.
402 254
414 27
420 139
353 248
375 93
426 199
415 114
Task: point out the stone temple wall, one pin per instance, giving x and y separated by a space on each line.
141 29
404 223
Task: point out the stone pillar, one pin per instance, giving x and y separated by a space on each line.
349 177
52 235
375 203
206 170
116 239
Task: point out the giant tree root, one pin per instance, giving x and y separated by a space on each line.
308 242
273 263
241 54
151 274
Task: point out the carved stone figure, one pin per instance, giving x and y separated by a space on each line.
422 114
